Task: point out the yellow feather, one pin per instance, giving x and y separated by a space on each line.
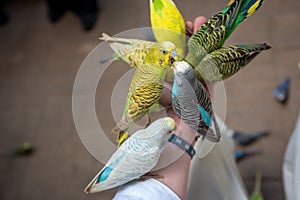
168 23
122 137
253 8
230 2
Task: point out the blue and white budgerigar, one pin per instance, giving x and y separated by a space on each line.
135 157
192 103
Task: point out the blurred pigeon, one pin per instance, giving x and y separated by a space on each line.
281 92
243 138
240 155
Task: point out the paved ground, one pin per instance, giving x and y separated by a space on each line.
39 61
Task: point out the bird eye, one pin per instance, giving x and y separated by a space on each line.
163 52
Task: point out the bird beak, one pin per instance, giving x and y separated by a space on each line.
172 60
173 56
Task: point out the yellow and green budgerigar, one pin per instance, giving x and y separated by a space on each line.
146 85
143 95
168 25
213 34
138 52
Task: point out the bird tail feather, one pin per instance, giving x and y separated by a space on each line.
123 135
239 10
208 140
106 37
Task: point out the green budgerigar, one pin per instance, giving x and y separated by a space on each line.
226 61
140 52
213 34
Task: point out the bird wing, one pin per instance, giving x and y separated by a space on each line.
138 104
133 159
226 61
124 46
143 98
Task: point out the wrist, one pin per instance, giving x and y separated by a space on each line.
186 133
182 144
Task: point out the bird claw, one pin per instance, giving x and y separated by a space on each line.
148 176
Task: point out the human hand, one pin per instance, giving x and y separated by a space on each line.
166 98
175 176
193 27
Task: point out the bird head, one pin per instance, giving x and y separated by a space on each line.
163 54
183 72
168 127
159 131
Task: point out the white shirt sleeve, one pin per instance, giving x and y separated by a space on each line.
144 190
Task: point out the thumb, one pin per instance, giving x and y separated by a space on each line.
198 22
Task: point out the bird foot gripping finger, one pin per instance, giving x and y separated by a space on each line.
148 176
169 108
188 32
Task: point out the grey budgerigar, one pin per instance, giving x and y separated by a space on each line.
192 103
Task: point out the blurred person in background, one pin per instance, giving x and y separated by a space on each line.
4 17
291 165
86 10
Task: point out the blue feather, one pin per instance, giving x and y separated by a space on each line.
205 116
174 88
107 170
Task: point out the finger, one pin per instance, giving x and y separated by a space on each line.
189 25
198 22
189 28
166 97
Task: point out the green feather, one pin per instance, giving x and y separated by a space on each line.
246 9
158 5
